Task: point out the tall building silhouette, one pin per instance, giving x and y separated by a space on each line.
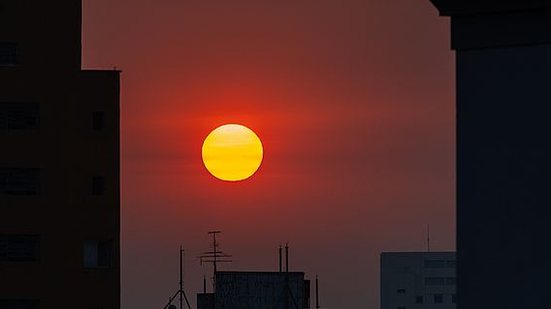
59 163
418 280
503 51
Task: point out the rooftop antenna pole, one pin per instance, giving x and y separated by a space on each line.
428 237
287 257
288 290
280 258
317 293
215 256
181 293
181 277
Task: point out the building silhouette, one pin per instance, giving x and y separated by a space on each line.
418 280
59 163
503 52
253 290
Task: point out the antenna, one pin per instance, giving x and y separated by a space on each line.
317 293
428 237
180 291
280 258
287 257
215 256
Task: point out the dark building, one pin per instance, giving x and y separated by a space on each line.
253 290
59 163
418 280
503 151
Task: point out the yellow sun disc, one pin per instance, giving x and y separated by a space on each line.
232 152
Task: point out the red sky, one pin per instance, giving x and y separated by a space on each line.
353 100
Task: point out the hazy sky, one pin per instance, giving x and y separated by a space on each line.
353 100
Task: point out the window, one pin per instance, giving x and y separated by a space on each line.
401 291
19 181
19 248
98 121
435 264
98 254
438 298
450 281
401 308
19 304
454 298
8 54
98 185
452 264
419 299
434 281
19 116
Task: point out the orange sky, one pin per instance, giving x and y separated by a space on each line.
353 101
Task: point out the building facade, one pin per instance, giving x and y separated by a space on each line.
418 280
253 290
59 163
503 58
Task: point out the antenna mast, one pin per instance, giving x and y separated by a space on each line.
215 256
180 291
428 237
317 293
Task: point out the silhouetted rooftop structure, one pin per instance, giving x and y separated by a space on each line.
476 7
253 290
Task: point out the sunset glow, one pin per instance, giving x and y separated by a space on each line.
232 152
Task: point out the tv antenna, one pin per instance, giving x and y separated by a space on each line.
180 293
428 237
214 256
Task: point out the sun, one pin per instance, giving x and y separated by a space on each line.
232 152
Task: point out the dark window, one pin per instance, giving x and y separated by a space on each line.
438 298
98 185
401 291
19 248
454 298
435 264
19 116
452 264
8 54
401 307
98 121
19 181
19 304
450 281
98 254
435 281
419 299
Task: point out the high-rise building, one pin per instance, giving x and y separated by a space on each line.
59 163
418 280
503 58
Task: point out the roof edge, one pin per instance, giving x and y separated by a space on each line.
466 8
